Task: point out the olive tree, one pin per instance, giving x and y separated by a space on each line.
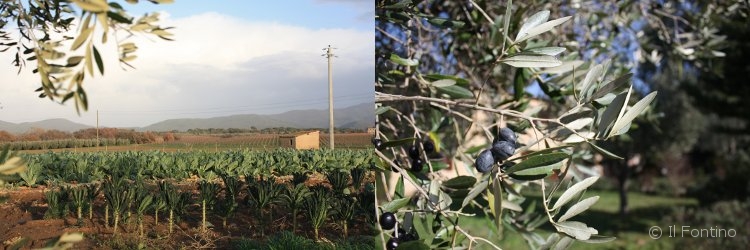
40 31
460 133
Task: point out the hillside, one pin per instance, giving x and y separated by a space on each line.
359 116
356 117
58 124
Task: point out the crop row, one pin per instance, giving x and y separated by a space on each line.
84 167
121 188
65 143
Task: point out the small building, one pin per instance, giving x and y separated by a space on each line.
301 140
371 130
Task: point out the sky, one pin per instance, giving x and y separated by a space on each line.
227 57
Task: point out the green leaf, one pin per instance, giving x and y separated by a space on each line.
396 204
599 239
478 189
403 61
382 109
99 62
632 113
531 61
538 164
94 6
551 239
415 245
456 91
533 21
580 123
83 35
588 81
529 177
445 23
460 182
119 18
565 67
539 29
459 80
506 21
579 208
610 114
496 197
612 85
475 149
605 152
443 83
550 51
400 142
400 188
574 190
575 229
564 243
73 61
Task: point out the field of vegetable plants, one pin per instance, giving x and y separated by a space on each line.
196 199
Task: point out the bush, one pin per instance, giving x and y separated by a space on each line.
723 215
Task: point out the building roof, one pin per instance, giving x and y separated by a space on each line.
299 134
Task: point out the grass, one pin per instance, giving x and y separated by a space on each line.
631 232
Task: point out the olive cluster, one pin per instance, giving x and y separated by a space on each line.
416 160
417 163
502 148
387 222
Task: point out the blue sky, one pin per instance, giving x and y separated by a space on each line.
315 14
227 58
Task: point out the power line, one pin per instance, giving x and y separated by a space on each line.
225 109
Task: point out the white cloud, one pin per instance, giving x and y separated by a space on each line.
217 65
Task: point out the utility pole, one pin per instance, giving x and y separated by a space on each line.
329 55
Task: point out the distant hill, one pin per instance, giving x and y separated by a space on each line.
357 117
59 124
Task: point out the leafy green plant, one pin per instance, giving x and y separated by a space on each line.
31 175
261 194
208 192
293 198
158 204
358 176
117 193
228 205
144 201
92 191
344 210
317 206
339 180
57 206
176 201
79 195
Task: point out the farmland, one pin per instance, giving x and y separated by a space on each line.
192 199
203 142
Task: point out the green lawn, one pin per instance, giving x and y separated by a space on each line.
632 232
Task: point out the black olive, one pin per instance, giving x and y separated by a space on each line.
417 165
508 135
429 146
502 150
387 220
413 152
484 161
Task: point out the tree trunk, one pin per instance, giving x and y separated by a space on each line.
622 178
